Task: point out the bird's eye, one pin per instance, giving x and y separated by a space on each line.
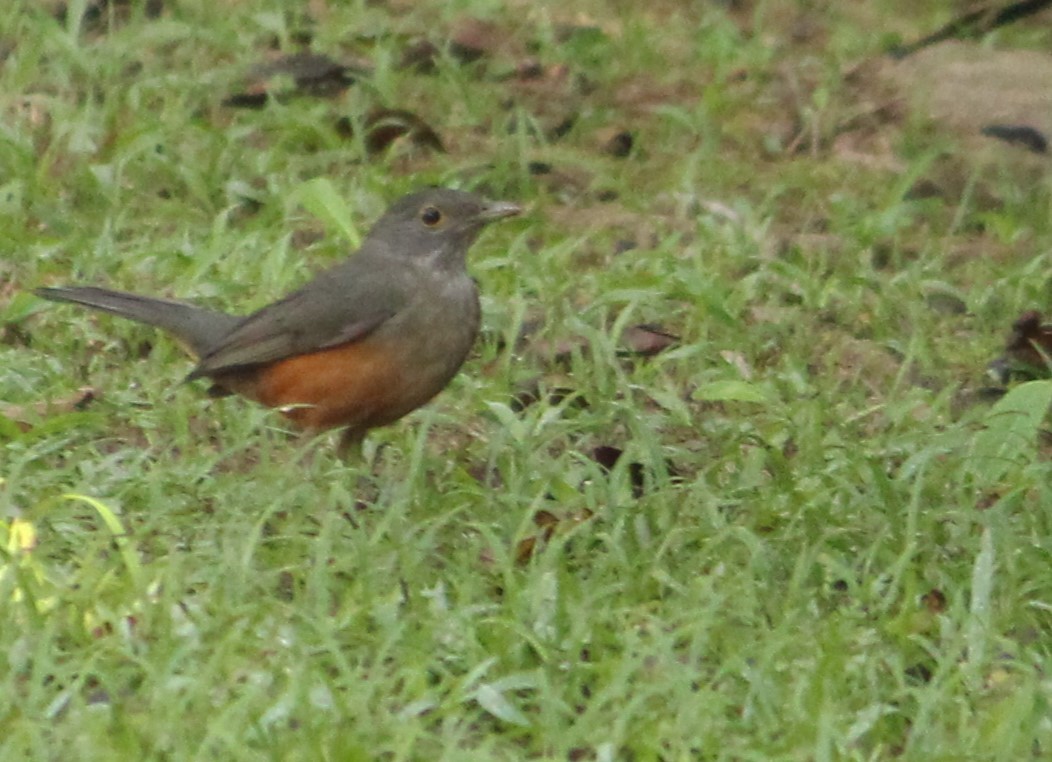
431 216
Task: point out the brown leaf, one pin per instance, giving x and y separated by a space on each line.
546 521
524 550
549 524
615 141
934 600
470 40
529 68
558 350
420 55
15 335
23 416
526 395
483 472
311 74
607 457
536 76
575 30
578 518
383 127
1028 348
474 38
98 15
987 500
647 339
545 101
531 393
919 673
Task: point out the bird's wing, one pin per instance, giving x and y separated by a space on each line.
342 305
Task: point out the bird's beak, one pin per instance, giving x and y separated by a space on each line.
498 210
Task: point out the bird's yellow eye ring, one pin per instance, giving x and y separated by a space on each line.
430 216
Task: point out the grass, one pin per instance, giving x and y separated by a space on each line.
810 549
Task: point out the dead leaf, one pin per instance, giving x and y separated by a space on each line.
607 457
473 38
573 31
545 100
529 68
558 351
615 141
311 74
24 416
98 15
987 500
546 521
420 55
469 40
548 524
524 550
15 335
919 673
550 389
485 474
1028 349
934 600
647 339
384 127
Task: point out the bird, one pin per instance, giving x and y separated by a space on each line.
363 343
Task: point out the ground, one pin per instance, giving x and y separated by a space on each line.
726 477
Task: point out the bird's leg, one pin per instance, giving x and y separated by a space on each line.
349 448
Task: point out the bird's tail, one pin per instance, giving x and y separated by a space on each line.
199 328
